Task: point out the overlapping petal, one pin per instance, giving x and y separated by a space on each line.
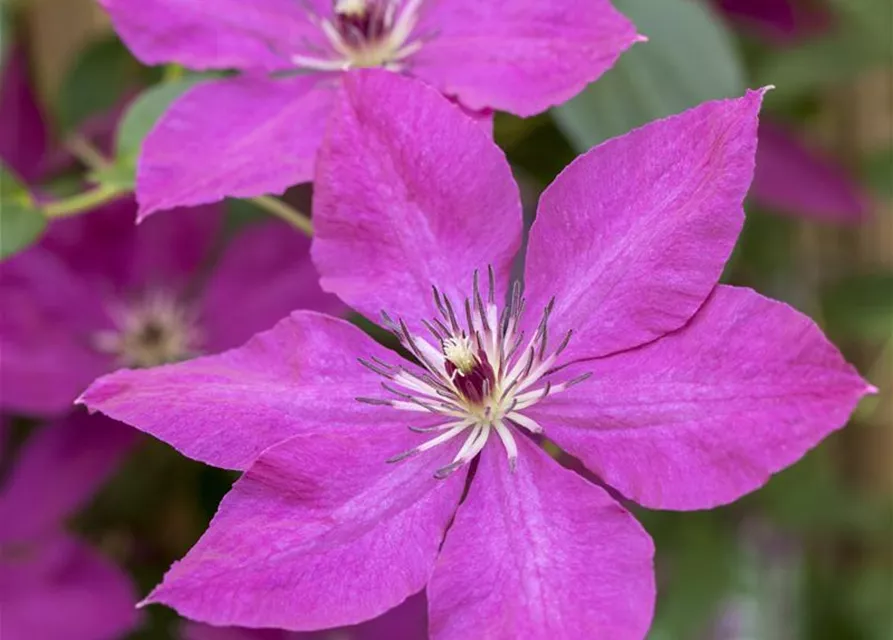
522 56
264 274
320 532
706 414
61 588
631 238
58 470
45 334
222 34
410 193
541 553
238 137
302 376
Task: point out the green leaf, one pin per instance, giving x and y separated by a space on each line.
860 306
21 222
878 172
144 112
96 82
689 58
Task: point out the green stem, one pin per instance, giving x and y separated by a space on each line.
82 202
284 211
90 156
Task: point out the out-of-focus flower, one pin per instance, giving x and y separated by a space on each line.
98 293
778 19
521 56
23 130
791 178
678 392
53 585
407 621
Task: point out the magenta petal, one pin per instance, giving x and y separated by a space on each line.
793 179
320 532
541 553
631 238
23 131
522 57
410 193
58 470
264 274
49 315
213 35
62 588
238 137
707 414
302 376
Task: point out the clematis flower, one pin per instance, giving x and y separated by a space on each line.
621 348
405 622
98 293
521 56
53 585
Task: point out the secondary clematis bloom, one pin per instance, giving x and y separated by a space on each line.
98 293
53 585
405 622
623 349
521 56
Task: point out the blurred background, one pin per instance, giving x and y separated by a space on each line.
808 557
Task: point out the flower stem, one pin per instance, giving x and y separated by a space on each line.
82 202
86 153
284 211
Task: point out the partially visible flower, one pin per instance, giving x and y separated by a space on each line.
407 621
794 179
23 130
622 349
98 293
53 585
778 19
521 56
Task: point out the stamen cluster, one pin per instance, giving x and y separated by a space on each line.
152 330
480 372
365 33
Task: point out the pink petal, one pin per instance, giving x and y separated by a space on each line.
794 179
49 315
264 274
240 137
260 34
320 532
23 130
302 376
541 553
631 238
61 588
407 621
106 246
58 470
410 193
708 413
522 57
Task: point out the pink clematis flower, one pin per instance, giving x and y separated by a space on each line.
678 392
53 585
521 56
405 622
98 293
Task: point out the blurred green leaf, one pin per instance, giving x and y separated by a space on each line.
860 306
690 58
120 176
878 172
144 112
96 82
21 222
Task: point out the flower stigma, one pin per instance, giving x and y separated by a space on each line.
364 33
480 373
152 330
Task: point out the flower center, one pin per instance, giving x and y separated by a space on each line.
365 33
480 373
154 330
